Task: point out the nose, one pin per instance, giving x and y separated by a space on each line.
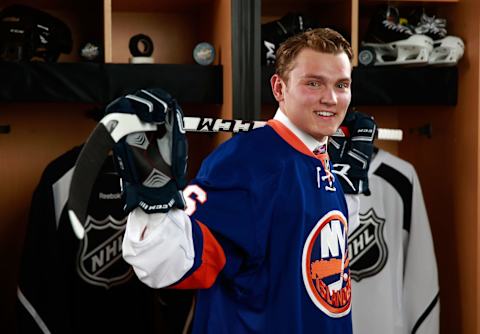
328 96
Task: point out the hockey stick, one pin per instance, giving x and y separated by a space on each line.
115 126
204 124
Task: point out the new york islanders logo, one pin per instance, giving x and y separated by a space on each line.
325 263
100 259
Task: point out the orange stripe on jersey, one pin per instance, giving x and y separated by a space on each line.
213 261
293 140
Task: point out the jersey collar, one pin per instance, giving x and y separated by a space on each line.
297 138
377 159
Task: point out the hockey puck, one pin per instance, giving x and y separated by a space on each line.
90 51
141 46
204 53
366 56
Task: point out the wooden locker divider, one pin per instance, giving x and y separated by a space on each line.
221 37
107 30
354 30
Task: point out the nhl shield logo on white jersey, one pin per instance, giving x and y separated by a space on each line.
100 259
367 247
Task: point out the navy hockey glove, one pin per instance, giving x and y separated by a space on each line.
351 155
152 164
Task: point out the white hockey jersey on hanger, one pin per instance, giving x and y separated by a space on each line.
392 260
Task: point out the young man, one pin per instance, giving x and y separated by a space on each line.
264 235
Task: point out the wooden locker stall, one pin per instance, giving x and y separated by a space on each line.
45 124
446 159
447 165
39 132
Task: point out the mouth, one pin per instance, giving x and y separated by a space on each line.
325 113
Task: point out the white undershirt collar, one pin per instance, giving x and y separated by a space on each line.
308 140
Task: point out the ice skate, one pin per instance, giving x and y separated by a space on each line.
447 51
391 41
414 50
432 26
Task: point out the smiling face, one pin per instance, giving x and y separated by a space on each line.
316 92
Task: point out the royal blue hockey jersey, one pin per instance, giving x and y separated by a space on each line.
270 238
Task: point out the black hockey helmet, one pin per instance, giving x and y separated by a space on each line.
275 32
29 34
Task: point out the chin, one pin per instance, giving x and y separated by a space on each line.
326 133
321 132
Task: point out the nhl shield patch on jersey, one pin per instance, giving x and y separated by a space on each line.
100 259
325 265
367 247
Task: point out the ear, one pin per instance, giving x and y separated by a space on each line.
277 87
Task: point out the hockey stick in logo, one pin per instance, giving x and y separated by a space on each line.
115 126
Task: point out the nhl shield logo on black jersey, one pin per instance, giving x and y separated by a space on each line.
100 259
367 247
325 265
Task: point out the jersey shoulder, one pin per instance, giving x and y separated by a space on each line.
255 143
385 161
59 166
247 156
